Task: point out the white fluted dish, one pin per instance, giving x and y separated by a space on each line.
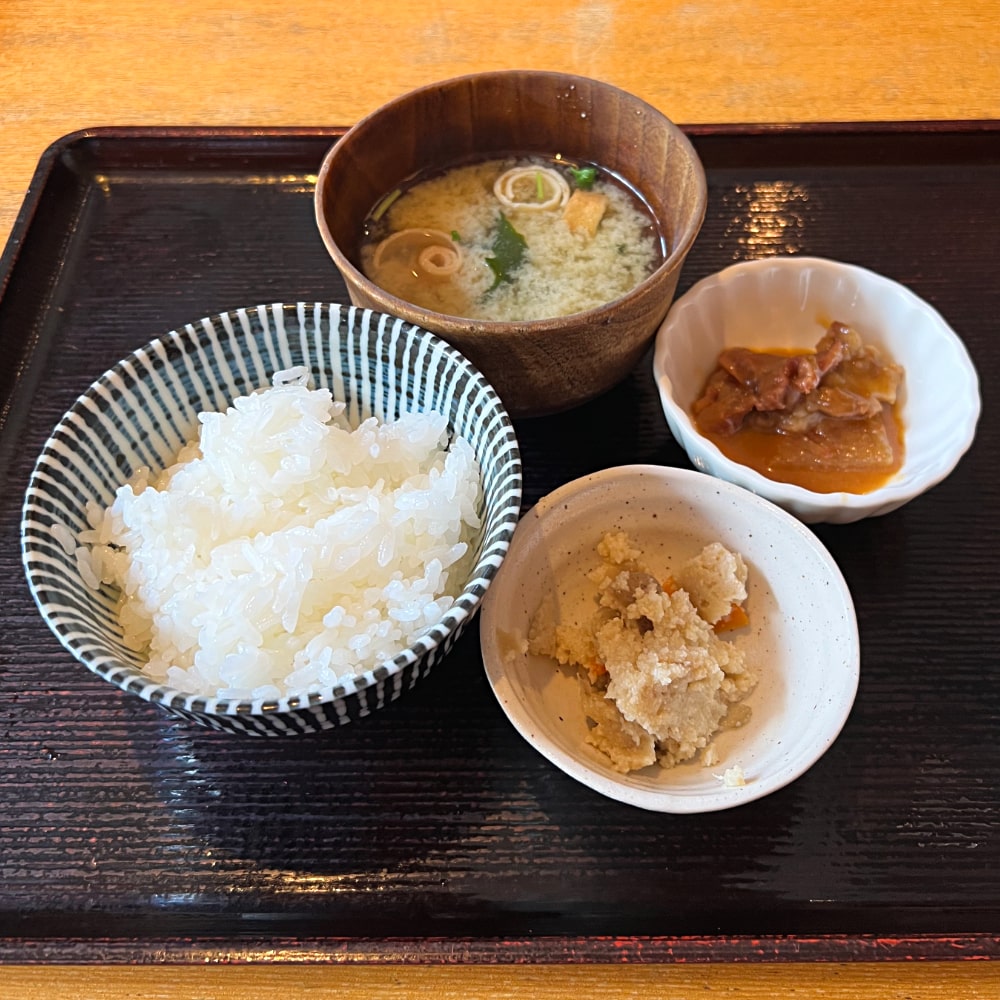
786 302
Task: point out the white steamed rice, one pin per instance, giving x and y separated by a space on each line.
287 550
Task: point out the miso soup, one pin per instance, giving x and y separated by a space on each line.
512 239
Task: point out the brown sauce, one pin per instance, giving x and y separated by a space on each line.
827 420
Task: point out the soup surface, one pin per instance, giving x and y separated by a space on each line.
512 239
826 421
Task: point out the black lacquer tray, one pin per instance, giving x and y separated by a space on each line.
431 832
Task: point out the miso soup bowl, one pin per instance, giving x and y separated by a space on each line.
787 303
540 366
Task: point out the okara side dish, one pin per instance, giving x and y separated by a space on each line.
510 239
657 679
286 550
825 420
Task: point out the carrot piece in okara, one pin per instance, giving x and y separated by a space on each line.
736 618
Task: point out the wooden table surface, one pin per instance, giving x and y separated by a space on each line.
67 65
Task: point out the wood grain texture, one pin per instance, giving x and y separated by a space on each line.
66 65
931 981
561 362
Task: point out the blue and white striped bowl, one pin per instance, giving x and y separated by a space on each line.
145 408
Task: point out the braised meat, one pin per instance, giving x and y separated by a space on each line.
786 392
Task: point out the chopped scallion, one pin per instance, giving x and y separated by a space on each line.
385 204
583 177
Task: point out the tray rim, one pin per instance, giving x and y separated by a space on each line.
551 949
205 133
495 951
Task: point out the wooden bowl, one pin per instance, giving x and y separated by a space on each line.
539 366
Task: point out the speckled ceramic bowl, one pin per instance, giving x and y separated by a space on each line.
802 635
142 411
787 302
